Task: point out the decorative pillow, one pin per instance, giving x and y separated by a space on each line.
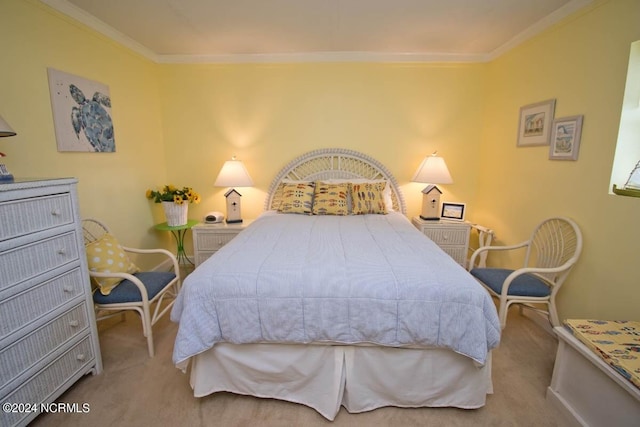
388 201
276 201
105 255
297 198
277 197
331 199
368 198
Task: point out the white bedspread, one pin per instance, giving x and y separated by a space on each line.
344 279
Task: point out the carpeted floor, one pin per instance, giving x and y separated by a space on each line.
135 390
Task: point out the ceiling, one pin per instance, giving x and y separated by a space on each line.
307 30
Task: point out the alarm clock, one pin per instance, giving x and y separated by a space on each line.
213 217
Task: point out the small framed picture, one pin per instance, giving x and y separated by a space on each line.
535 123
565 138
454 211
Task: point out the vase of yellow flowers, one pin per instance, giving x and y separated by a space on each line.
175 202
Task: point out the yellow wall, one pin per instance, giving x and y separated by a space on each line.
111 185
582 63
179 123
269 114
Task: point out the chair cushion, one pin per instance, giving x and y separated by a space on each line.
127 291
524 285
105 255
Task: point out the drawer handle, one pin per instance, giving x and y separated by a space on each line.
67 289
73 323
81 357
62 251
445 237
56 212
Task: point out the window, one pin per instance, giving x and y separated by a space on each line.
628 147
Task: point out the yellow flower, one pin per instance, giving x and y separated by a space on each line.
171 193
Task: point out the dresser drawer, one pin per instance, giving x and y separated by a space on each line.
214 241
25 353
20 309
27 261
447 236
48 382
24 216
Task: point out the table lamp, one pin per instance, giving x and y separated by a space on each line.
433 170
233 174
5 130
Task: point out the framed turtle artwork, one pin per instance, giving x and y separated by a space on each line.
81 113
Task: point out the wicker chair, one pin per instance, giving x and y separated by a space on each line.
139 291
551 252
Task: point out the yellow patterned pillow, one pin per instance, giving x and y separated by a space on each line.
297 198
105 255
368 198
331 199
276 201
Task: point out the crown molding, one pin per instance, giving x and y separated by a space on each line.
546 22
74 12
321 57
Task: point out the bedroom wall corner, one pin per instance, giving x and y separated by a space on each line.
582 63
34 37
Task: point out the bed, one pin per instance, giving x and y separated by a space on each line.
327 308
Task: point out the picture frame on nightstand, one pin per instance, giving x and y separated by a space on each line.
453 211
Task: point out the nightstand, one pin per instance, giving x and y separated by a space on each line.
451 236
208 238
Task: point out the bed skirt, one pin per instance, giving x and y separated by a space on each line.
360 378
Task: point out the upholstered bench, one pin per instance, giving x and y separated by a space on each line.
596 377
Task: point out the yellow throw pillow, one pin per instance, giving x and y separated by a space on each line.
331 199
105 255
297 198
276 202
368 198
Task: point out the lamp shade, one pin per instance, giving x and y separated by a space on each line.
433 170
5 129
233 174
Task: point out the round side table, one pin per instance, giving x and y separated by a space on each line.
178 232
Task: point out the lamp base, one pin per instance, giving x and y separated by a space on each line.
430 218
233 221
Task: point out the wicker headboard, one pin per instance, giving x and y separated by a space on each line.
336 163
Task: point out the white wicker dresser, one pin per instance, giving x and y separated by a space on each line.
48 335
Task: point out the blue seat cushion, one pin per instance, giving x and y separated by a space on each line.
526 285
126 291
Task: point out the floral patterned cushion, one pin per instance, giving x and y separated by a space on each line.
331 199
368 198
105 255
297 198
617 342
